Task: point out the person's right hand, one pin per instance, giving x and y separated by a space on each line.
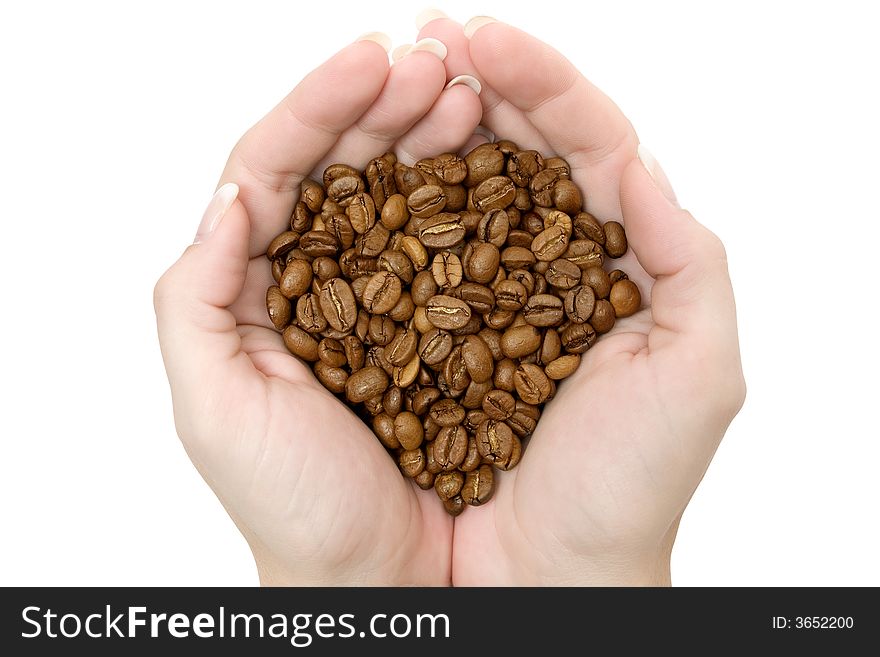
307 483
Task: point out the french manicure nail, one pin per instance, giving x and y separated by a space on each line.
657 174
476 23
468 81
427 15
221 202
431 45
377 37
400 52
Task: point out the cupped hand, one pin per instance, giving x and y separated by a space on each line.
306 482
620 450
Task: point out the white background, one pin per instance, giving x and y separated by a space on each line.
117 118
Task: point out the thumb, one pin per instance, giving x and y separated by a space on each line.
692 293
197 333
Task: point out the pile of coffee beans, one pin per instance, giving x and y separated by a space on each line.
444 301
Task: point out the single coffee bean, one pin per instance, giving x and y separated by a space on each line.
446 312
392 401
450 168
330 351
435 346
338 304
494 193
496 442
492 338
532 385
411 462
557 218
380 178
309 315
615 239
424 399
577 338
425 480
404 308
407 179
301 218
562 367
344 189
337 171
415 251
382 330
517 257
431 464
381 293
525 278
522 238
332 378
312 194
499 404
383 427
587 227
479 297
477 358
494 227
550 243
585 253
478 486
373 405
403 347
448 484
361 212
454 506
483 162
278 307
325 268
394 213
522 166
447 270
563 274
541 187
625 298
503 377
617 275
317 243
597 278
472 458
373 242
567 197
473 395
408 430
455 371
286 241
579 303
551 347
442 231
483 263
473 419
603 316
426 201
405 375
398 264
300 343
354 352
365 383
533 224
524 419
543 310
450 447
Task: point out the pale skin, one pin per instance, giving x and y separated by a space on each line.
617 454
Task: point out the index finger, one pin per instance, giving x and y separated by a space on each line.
273 157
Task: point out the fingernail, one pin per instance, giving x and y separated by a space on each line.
400 52
476 23
427 15
468 81
377 37
485 132
656 172
220 203
434 46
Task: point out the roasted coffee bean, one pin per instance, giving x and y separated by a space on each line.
479 297
344 189
533 224
550 243
407 179
381 293
522 166
497 444
338 304
404 308
617 275
532 385
494 228
373 242
392 401
563 274
435 346
277 270
332 378
483 162
278 307
415 251
312 194
441 231
450 168
482 265
492 338
473 395
587 227
380 178
450 447
286 241
499 404
411 462
301 218
522 238
597 278
557 218
541 187
296 279
398 264
330 351
503 377
562 367
365 383
446 270
361 212
603 316
517 257
499 319
494 193
426 201
478 486
383 427
579 303
354 352
425 481
394 213
551 347
408 430
431 464
423 287
477 358
543 310
325 268
309 315
625 298
524 419
448 484
405 375
373 405
615 239
585 253
446 312
424 399
382 330
567 197
455 372
403 347
300 343
454 506
577 338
